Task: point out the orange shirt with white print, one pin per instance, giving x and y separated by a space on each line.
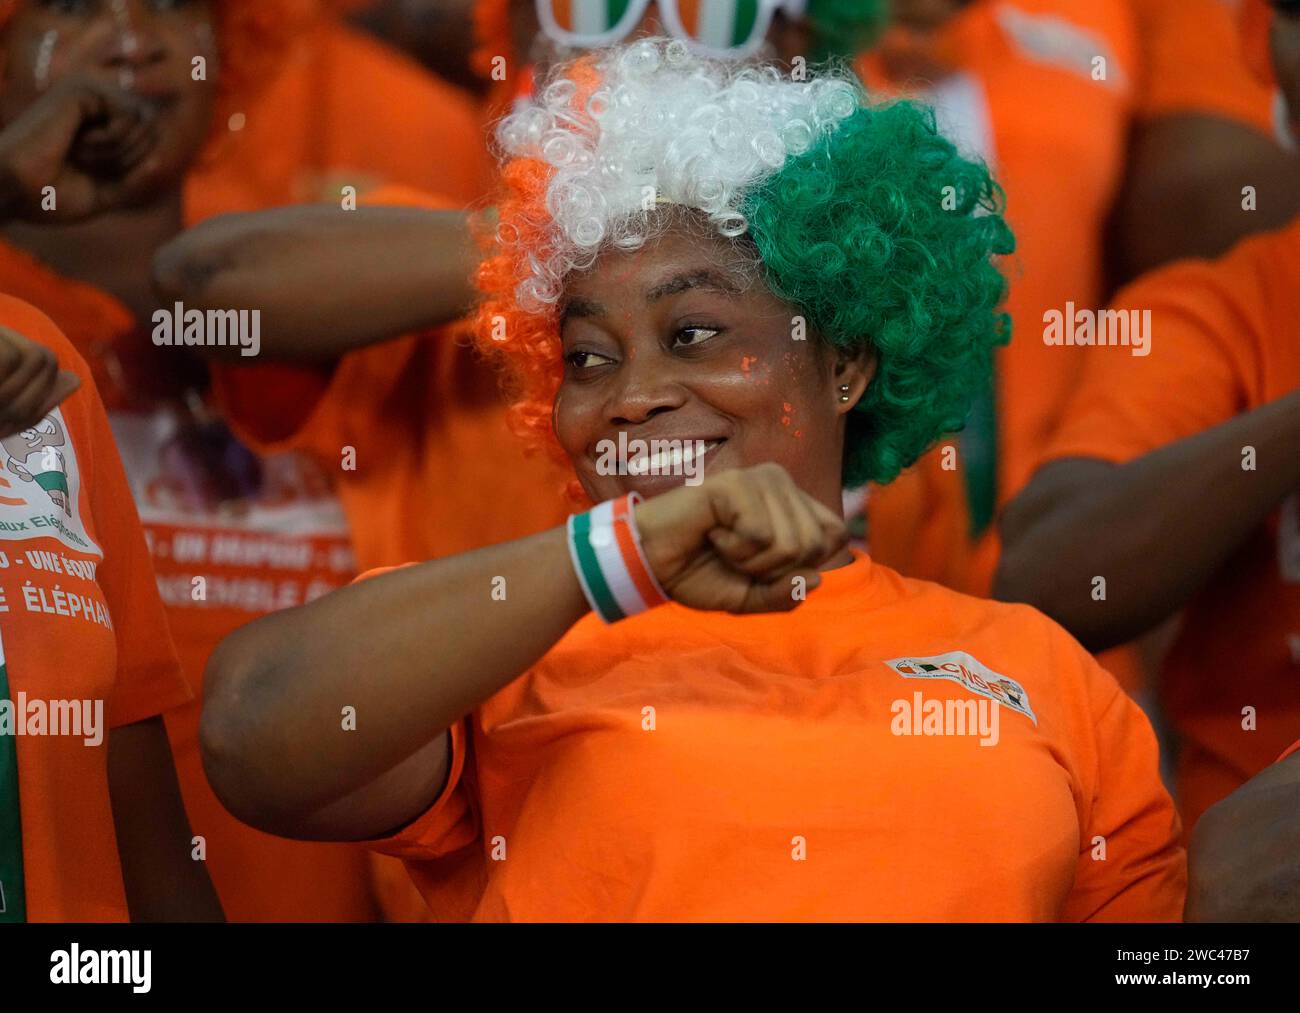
1224 340
232 537
1192 63
80 622
891 750
262 532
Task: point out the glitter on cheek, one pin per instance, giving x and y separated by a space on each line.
45 57
128 41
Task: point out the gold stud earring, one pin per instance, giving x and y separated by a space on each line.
844 392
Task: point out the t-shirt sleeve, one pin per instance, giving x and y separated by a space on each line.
275 408
1131 865
149 680
1202 367
448 825
1193 62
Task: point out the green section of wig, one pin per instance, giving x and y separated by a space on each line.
883 236
843 28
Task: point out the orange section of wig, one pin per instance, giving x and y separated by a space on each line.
527 344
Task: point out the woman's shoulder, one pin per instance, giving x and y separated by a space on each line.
34 325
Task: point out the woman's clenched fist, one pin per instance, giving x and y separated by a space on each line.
738 541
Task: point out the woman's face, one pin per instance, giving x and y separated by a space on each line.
145 47
674 342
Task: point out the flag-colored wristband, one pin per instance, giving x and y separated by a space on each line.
605 547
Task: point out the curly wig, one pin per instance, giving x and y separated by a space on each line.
253 36
862 216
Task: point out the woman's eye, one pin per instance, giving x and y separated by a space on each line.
694 335
585 360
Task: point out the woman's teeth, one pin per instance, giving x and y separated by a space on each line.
677 458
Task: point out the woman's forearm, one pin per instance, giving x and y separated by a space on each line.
1156 528
308 706
325 280
162 879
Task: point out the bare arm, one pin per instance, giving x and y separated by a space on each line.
325 280
412 651
416 649
163 882
1183 195
1156 528
1244 862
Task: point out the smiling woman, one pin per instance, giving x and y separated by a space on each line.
794 287
871 234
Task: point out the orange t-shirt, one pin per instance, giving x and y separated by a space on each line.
1224 341
269 532
1024 97
345 111
415 432
414 429
693 766
232 537
81 623
1193 62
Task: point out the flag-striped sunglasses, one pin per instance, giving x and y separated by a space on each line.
726 28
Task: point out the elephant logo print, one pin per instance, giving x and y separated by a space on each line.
36 455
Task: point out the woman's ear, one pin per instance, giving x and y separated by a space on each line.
854 370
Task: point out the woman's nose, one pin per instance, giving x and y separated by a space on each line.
133 41
645 391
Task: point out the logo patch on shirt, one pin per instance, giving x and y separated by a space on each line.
40 486
961 668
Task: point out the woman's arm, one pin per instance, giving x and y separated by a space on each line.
1156 528
326 280
163 881
1244 863
1183 194
414 650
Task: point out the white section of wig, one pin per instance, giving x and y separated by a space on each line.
665 127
